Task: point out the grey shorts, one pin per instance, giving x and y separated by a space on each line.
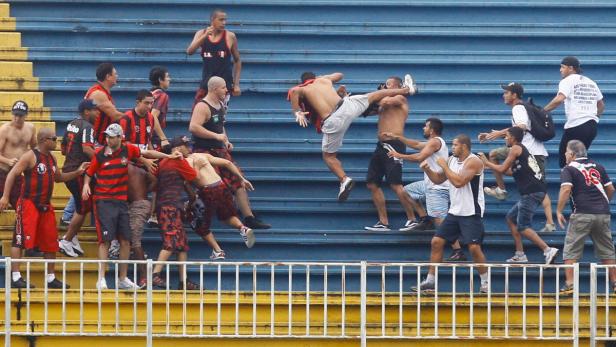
582 225
337 124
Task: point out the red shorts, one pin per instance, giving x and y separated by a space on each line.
171 227
230 179
35 227
217 198
15 191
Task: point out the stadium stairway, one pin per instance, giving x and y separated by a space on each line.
458 51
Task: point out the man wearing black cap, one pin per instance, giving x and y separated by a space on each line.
78 145
16 137
512 96
583 105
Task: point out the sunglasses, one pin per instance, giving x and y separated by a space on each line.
54 138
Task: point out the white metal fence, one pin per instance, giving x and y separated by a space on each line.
354 300
601 297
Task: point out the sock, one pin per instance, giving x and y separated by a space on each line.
16 275
484 277
546 250
51 277
430 278
519 253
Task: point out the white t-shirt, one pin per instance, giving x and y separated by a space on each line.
534 146
443 152
581 95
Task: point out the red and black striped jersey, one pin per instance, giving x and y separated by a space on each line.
137 130
39 180
103 120
112 172
161 103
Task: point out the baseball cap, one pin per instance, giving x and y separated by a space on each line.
571 61
86 104
114 130
179 141
514 88
20 108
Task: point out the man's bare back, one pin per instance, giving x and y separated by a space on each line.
393 112
321 96
15 141
207 174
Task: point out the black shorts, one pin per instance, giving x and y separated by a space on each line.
382 165
75 186
111 220
467 229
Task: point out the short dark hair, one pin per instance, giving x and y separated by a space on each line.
143 93
157 74
397 79
215 12
517 133
103 70
435 124
465 140
308 75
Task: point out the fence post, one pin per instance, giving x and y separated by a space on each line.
7 301
576 304
593 304
362 324
149 304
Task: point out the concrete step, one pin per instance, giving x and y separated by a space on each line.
10 39
13 53
33 99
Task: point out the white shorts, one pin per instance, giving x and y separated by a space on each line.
437 200
337 124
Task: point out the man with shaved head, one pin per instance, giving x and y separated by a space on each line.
217 47
207 126
36 221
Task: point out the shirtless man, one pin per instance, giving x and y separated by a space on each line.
16 137
316 98
217 197
393 112
217 47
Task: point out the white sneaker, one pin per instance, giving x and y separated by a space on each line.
496 192
518 259
484 288
410 83
114 250
76 246
218 255
66 248
550 255
248 236
101 284
345 188
548 228
127 284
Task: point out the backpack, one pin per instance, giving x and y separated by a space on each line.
541 122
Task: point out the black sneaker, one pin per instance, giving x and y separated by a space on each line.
158 282
378 227
33 253
190 285
567 289
21 283
57 284
254 223
457 255
422 225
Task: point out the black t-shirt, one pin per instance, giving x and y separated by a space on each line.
78 132
527 173
588 180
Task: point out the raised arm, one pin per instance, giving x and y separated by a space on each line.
198 39
334 77
429 148
435 177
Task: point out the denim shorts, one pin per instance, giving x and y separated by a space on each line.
437 200
521 214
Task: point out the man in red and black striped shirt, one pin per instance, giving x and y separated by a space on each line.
110 165
160 79
107 77
36 222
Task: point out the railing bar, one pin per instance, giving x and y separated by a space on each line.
135 300
290 300
541 302
218 298
64 298
472 302
81 313
168 296
102 267
506 302
201 299
307 300
254 300
46 297
524 302
436 301
117 298
237 300
489 301
343 317
557 294
184 274
325 324
418 317
453 301
272 299
8 277
400 291
593 304
28 327
383 300
607 303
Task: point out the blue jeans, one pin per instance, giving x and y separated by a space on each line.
69 210
521 214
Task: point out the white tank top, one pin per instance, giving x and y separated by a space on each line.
468 200
443 152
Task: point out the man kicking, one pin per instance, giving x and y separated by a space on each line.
332 115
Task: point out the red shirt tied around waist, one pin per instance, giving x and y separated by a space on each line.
111 170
